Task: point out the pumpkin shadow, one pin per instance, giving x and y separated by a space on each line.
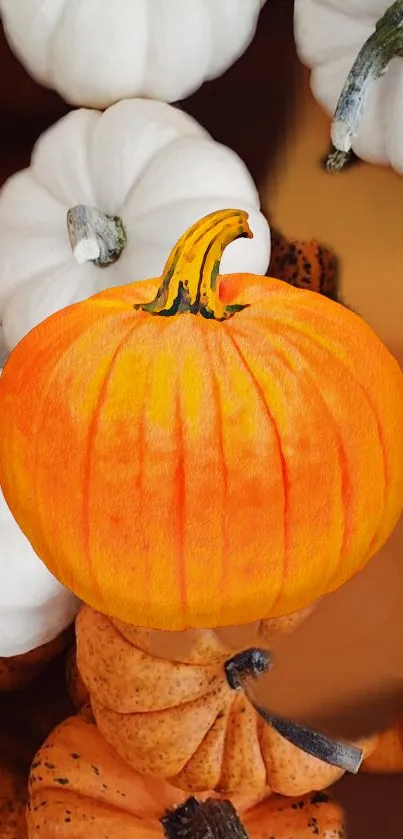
26 107
251 108
372 804
29 714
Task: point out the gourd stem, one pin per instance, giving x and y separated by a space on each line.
211 819
371 63
95 236
243 669
190 277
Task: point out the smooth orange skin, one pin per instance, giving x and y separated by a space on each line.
100 795
178 719
181 472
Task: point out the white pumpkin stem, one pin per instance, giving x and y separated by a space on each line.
371 63
95 236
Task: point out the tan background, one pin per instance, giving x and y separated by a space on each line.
263 109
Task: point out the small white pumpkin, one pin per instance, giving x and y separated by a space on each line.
96 52
34 607
128 181
3 348
349 45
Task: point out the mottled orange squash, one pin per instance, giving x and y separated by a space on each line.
195 646
19 670
308 265
197 450
177 718
81 788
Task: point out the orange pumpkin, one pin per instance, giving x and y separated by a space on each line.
388 754
179 719
80 787
201 451
19 670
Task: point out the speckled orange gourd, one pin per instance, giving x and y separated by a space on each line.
79 787
199 450
178 718
308 265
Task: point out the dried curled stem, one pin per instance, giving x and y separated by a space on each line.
241 672
211 819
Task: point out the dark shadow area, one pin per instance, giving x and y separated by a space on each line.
28 715
252 106
372 804
26 108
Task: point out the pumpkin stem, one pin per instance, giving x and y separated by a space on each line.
95 236
189 280
242 669
371 63
247 664
211 819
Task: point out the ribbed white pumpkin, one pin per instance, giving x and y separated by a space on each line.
34 606
329 36
144 161
95 52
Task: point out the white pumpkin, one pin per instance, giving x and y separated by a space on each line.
34 607
3 348
96 52
144 162
330 37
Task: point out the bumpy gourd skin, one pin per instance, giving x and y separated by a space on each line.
304 264
178 718
80 787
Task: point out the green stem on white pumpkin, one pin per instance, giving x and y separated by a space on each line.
211 819
95 236
371 63
243 669
189 279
